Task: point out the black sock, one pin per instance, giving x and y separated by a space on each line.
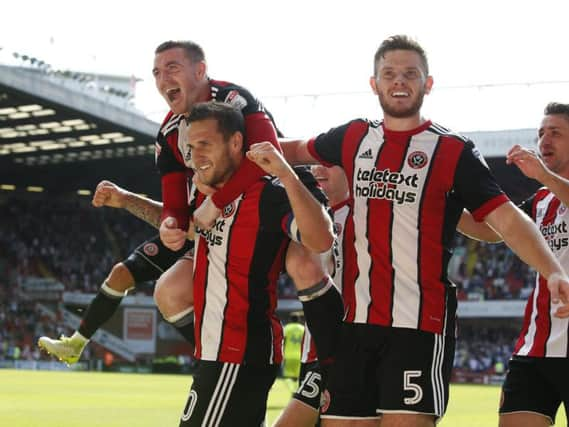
187 331
323 311
185 326
98 312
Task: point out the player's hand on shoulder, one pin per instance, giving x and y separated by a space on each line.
109 194
203 188
206 214
172 236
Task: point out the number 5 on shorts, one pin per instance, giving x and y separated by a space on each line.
416 389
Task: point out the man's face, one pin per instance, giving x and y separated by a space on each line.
333 182
178 79
401 83
214 159
553 143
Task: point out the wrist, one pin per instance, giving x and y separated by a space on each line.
289 175
547 178
126 199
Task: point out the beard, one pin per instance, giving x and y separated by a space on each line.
402 113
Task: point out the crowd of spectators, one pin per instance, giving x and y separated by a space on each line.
485 349
488 271
67 239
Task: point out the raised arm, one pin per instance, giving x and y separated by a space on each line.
314 224
109 194
532 167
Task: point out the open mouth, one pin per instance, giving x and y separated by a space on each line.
173 94
204 167
400 94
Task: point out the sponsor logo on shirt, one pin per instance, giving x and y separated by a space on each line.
213 236
384 184
183 143
228 210
417 159
367 154
555 235
150 249
234 99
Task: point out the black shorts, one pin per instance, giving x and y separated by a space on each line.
536 384
389 370
150 259
228 394
309 385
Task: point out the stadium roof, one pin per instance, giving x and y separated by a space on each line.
62 133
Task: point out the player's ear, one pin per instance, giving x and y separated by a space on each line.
236 142
201 70
429 84
373 84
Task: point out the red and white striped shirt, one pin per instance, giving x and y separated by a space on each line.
236 266
543 334
409 190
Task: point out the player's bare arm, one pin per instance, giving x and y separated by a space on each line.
109 194
468 226
313 222
295 151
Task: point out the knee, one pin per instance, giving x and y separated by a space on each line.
120 278
173 292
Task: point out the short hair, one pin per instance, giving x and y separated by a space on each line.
193 51
229 119
557 108
399 42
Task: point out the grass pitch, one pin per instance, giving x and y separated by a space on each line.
93 399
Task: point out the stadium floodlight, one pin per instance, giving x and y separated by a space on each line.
34 189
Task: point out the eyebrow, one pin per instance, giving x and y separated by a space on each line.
173 62
544 128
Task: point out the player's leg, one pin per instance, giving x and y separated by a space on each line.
101 308
228 395
524 419
174 296
414 377
146 263
322 303
303 409
529 395
351 396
